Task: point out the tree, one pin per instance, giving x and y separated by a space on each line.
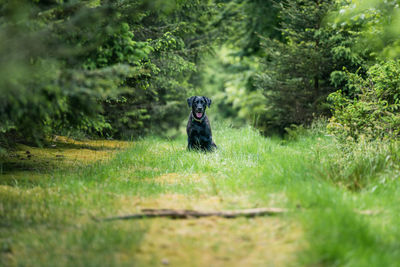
45 87
178 41
300 72
98 67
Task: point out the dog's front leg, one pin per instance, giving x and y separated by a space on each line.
190 144
211 146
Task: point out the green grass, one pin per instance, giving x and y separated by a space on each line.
46 219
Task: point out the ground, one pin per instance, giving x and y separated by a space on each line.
52 201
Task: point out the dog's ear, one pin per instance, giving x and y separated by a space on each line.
190 101
208 101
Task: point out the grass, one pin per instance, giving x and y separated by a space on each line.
47 210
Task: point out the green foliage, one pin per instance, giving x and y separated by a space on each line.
121 48
299 73
112 68
379 22
154 101
46 86
245 21
287 80
374 112
226 78
123 69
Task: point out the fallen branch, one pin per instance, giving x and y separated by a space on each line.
186 214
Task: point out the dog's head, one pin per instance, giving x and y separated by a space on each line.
198 105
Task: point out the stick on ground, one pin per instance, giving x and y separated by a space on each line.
186 214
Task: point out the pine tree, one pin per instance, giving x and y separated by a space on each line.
297 74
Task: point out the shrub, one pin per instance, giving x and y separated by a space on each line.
374 112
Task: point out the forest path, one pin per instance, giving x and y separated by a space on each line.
213 241
49 192
50 206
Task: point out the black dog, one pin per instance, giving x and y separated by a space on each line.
198 127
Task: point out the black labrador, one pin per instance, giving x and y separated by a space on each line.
198 127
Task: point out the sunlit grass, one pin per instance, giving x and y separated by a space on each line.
27 164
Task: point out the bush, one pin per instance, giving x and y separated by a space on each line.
374 112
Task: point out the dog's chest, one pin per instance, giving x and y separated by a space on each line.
198 130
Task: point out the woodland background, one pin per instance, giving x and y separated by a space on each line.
123 69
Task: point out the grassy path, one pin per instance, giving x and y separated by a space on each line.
46 216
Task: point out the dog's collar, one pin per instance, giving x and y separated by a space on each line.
198 120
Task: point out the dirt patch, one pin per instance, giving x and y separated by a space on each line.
177 178
65 142
213 241
133 204
264 241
